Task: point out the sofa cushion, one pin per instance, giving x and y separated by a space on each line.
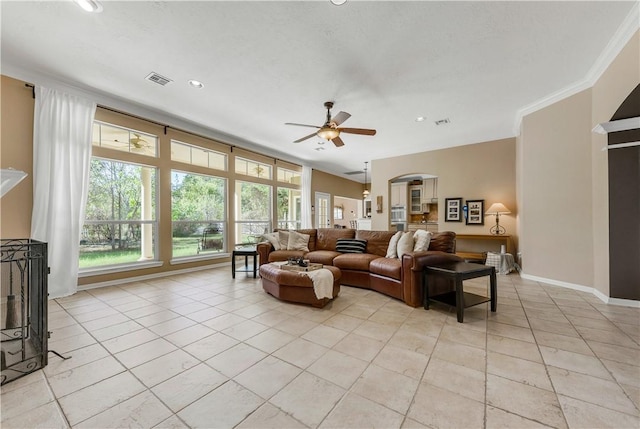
421 239
298 241
273 238
392 250
312 233
350 245
377 241
324 257
283 237
443 241
405 244
327 237
354 261
388 267
283 255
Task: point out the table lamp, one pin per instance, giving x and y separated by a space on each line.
497 209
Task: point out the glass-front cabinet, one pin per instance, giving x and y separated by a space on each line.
415 199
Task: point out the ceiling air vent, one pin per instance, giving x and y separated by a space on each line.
159 79
352 173
442 121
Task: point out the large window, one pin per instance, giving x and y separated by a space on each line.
198 214
288 205
253 211
120 221
289 176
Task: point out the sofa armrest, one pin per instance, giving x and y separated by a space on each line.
264 248
412 265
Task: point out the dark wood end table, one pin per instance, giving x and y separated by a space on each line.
245 251
458 272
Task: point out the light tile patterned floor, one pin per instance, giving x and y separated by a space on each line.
203 350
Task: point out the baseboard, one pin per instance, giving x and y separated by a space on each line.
602 297
151 276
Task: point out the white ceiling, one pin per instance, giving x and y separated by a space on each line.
267 63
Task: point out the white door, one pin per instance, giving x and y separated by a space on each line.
323 214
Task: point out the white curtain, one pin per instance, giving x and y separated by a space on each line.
61 159
306 198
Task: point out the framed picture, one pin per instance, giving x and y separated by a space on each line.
475 212
453 209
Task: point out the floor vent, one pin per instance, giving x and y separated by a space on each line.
159 79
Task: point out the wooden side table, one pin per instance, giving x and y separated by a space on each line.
245 251
458 272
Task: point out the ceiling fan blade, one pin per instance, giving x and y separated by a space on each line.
340 118
364 131
305 137
301 125
337 141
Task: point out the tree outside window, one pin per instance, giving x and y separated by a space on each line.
197 213
120 220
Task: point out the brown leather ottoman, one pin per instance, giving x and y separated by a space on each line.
295 286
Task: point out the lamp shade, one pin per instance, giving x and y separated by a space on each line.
497 208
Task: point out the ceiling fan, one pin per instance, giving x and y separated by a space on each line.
330 129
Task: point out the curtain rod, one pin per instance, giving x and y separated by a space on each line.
230 146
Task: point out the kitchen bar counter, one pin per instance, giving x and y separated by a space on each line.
429 226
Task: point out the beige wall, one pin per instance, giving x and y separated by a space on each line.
473 172
556 240
561 165
607 94
16 151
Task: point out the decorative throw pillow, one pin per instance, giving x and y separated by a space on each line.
283 237
351 245
421 239
298 241
273 238
392 250
405 244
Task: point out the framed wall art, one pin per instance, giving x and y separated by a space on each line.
453 209
475 212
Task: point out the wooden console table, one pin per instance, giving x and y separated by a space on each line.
474 247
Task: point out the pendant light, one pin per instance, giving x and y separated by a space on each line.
365 193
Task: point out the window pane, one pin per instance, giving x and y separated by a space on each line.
120 214
180 153
253 213
199 157
124 139
288 208
217 161
198 213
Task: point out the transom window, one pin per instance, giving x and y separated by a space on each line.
289 176
124 139
194 155
253 168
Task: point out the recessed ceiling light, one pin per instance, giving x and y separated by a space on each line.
420 119
338 2
89 5
319 148
196 83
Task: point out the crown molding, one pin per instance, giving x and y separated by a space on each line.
625 32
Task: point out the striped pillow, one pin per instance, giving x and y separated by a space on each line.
351 245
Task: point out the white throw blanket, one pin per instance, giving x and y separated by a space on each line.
322 280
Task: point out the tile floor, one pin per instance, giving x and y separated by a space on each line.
203 350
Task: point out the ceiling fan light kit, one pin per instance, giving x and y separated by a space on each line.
330 130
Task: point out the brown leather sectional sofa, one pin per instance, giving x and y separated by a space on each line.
398 278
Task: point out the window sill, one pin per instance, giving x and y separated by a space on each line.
188 259
99 271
